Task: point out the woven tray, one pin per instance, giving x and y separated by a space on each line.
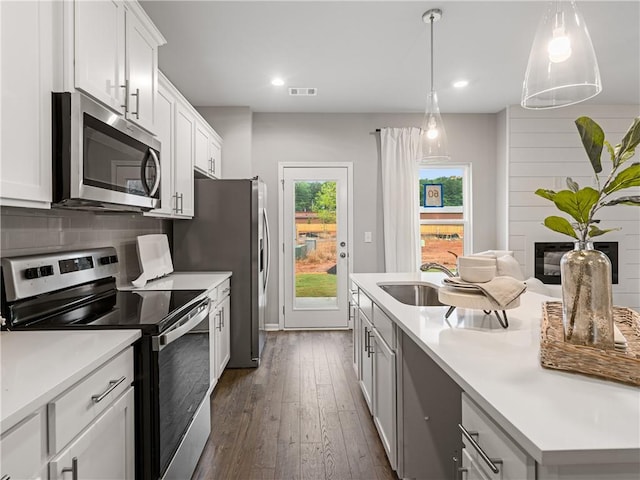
609 364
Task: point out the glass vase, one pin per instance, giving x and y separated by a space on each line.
587 309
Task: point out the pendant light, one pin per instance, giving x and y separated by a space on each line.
433 138
562 68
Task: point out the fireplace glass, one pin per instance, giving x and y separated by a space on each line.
548 255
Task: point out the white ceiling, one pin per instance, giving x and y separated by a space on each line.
373 56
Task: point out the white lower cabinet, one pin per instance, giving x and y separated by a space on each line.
488 452
384 395
103 450
366 360
219 329
86 432
223 335
23 448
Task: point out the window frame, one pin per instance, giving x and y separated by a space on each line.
467 243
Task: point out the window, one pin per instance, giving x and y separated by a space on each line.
445 232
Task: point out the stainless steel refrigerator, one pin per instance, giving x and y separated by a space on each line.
230 232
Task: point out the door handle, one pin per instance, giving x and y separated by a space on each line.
112 386
73 469
126 96
343 255
137 112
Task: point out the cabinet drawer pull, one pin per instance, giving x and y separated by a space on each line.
226 290
5 477
112 386
491 462
74 467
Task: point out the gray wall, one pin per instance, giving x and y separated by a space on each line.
26 231
233 124
290 137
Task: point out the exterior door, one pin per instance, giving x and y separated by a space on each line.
315 231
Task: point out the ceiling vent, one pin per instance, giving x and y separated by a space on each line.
303 92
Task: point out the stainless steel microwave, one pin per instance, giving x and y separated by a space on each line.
100 160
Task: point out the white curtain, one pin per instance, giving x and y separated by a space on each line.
399 152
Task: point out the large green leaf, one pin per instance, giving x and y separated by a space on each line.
560 225
630 200
577 204
631 138
544 193
592 138
629 177
596 232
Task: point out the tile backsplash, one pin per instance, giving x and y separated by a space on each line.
26 231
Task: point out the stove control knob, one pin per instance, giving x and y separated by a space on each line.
105 260
31 273
113 258
46 271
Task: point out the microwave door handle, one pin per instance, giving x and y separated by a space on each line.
172 335
143 173
156 161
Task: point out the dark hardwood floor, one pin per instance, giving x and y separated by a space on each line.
300 415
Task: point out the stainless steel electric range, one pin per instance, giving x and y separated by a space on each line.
78 290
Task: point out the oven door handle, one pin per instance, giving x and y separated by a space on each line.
182 327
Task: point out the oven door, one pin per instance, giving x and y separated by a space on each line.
101 158
183 379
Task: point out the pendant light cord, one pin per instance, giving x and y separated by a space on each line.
431 18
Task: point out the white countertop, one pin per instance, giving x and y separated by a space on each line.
183 281
556 417
37 366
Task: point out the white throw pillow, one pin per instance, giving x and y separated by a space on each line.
508 266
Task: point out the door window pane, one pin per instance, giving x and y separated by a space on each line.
315 246
443 217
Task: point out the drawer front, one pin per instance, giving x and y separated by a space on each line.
213 295
224 289
366 305
77 407
386 328
511 461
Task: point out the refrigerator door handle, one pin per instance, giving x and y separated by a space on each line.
267 247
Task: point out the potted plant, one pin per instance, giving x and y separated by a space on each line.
586 272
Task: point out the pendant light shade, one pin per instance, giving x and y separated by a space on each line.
562 68
433 137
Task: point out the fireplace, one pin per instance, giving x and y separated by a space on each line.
548 254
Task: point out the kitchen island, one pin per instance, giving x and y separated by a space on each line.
570 425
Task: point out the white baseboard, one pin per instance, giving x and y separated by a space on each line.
271 327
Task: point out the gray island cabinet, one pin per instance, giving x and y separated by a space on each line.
465 399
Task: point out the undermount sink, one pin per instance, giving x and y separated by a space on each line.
416 294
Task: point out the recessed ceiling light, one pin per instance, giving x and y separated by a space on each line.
461 83
277 82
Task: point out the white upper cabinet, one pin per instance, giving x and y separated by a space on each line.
175 126
142 72
99 50
27 53
208 144
115 56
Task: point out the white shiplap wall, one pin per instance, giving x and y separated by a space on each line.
543 149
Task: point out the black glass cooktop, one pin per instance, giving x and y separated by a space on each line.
101 306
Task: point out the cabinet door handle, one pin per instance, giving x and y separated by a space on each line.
491 462
366 338
112 385
213 169
126 96
137 112
73 469
175 205
226 290
6 477
181 202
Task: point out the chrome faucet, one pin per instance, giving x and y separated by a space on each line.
436 266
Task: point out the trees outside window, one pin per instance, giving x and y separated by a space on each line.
444 230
